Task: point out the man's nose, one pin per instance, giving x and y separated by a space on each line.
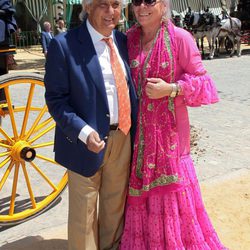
111 9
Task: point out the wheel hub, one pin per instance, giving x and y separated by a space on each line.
22 151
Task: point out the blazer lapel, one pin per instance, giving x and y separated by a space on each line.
90 60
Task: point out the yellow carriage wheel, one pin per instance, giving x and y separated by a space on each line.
30 179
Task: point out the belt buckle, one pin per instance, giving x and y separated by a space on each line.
113 127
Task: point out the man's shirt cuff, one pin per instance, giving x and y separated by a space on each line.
84 133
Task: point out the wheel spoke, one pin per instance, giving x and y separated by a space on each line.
36 122
11 112
4 154
4 145
6 135
27 109
14 188
46 159
32 198
5 161
22 108
6 174
42 133
43 124
43 145
44 176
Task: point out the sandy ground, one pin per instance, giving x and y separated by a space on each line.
228 205
29 60
227 200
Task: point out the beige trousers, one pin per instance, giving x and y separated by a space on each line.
96 204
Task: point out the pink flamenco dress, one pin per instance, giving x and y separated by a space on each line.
164 208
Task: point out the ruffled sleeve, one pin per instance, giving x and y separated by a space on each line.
197 86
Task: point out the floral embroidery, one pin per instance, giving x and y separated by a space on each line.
150 107
164 65
151 165
134 64
161 181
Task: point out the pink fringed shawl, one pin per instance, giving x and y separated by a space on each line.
156 150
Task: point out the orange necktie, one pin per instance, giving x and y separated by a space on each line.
122 89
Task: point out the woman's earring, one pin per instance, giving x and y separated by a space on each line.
163 18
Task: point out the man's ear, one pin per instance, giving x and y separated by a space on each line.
87 8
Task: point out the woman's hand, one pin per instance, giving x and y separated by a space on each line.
156 88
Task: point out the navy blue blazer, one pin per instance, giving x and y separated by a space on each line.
7 21
76 96
45 40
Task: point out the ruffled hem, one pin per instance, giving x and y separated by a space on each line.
198 90
171 221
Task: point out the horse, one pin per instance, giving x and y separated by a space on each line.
177 18
212 24
194 23
229 28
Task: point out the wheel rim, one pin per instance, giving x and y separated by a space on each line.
30 179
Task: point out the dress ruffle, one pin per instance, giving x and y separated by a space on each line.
173 221
198 90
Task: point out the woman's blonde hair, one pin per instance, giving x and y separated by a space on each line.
168 10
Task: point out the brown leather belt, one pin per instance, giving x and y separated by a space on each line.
113 127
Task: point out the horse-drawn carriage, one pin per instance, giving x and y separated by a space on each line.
218 31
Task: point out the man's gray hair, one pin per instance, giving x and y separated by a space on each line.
83 13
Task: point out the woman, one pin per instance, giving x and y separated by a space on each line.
164 207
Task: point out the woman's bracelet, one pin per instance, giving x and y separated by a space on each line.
175 90
178 89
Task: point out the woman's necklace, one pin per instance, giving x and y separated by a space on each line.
145 53
148 38
146 46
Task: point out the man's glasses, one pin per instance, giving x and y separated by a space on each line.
146 2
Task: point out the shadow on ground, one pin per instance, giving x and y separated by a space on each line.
37 64
245 52
21 206
36 243
224 54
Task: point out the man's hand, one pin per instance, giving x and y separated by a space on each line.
157 88
94 143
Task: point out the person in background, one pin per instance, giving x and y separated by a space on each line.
8 26
164 207
7 22
90 95
60 28
46 37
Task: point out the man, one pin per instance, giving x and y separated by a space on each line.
7 22
60 28
46 37
7 27
92 137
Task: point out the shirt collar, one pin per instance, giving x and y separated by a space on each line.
95 35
